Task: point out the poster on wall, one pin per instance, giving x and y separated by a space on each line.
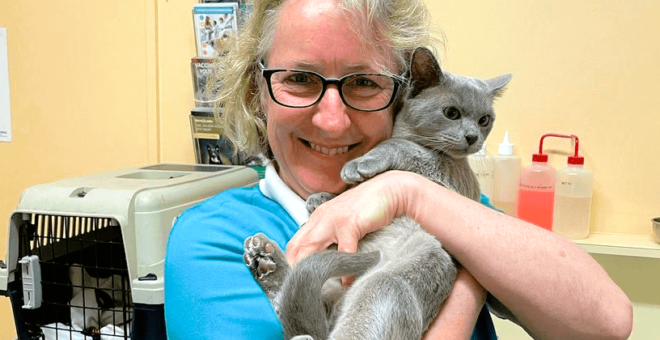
5 116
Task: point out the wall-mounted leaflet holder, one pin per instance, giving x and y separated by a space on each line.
31 281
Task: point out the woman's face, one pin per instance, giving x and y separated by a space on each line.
312 144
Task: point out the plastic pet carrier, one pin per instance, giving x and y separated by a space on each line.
85 255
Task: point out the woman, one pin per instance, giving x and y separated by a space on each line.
209 292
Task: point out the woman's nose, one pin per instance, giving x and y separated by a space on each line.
331 114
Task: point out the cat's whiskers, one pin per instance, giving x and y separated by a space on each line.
441 143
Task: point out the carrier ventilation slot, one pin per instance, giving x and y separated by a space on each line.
56 228
51 236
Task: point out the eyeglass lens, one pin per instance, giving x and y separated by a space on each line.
360 91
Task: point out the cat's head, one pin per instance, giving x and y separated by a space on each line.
445 112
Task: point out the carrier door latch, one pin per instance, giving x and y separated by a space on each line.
31 274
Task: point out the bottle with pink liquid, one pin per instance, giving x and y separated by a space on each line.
536 192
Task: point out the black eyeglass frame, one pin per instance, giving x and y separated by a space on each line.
267 73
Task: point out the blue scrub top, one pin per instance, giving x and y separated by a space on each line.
209 291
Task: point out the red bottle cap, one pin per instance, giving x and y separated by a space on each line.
575 160
540 157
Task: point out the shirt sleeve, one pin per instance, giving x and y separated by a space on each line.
486 201
209 291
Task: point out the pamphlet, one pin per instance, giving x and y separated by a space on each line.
216 26
202 70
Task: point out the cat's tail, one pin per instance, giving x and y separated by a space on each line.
301 303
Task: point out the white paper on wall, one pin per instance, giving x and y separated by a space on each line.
5 115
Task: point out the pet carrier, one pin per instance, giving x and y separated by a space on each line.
85 256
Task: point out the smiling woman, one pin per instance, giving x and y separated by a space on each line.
329 124
312 85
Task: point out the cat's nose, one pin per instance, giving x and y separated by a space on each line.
471 139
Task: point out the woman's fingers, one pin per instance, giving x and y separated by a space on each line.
347 218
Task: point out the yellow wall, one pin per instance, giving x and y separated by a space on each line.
98 85
94 85
588 68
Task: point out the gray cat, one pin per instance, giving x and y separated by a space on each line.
402 273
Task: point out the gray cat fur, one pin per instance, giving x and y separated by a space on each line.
402 273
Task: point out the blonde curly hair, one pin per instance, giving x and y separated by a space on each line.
397 25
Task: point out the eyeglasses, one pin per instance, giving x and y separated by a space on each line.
359 91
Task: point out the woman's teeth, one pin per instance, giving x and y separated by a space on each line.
326 151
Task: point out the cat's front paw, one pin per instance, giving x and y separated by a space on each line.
314 200
363 168
302 337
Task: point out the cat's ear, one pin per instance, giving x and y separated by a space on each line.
425 71
497 85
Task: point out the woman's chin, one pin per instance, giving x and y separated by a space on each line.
322 183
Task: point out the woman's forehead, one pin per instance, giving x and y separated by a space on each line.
318 36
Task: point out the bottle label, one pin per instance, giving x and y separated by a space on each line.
536 187
483 175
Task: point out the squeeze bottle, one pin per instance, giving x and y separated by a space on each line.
505 178
573 192
483 168
536 192
536 189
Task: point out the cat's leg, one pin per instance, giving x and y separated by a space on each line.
400 299
267 263
392 154
332 296
312 292
382 307
270 268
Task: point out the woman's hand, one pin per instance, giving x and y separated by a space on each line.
460 310
347 218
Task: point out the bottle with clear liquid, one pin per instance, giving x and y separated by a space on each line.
536 192
573 192
484 169
505 177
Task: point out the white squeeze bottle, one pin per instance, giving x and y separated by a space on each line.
484 169
573 192
506 177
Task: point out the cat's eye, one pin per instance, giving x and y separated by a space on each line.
452 113
484 121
